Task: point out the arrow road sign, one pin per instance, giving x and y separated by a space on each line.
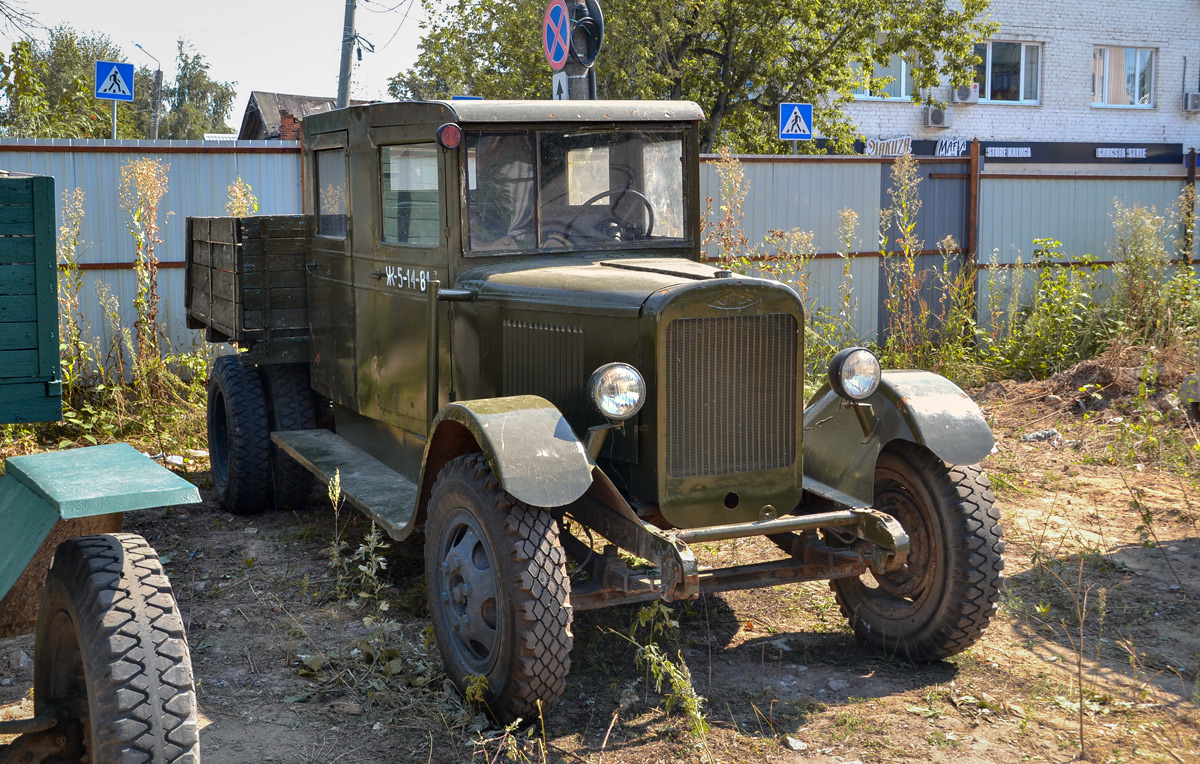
795 121
560 87
556 26
114 81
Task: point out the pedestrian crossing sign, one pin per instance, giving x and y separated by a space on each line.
114 81
795 122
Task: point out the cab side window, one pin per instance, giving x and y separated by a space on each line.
331 193
409 191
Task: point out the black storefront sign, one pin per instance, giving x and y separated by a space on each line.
1048 152
1032 152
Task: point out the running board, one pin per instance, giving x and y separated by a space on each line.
377 490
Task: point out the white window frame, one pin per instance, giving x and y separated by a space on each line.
1100 90
904 81
985 87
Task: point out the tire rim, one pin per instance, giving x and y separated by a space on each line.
902 593
66 688
468 592
218 440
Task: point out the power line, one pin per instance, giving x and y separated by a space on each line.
400 25
387 10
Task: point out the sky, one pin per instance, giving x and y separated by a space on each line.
286 46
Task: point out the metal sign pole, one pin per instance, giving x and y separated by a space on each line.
114 132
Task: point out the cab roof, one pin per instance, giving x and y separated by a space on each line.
482 112
574 111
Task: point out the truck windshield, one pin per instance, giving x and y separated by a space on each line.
571 191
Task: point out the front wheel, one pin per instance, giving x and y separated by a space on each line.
498 592
941 600
111 657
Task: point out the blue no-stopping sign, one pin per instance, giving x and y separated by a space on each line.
556 32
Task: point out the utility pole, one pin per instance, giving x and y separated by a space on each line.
348 37
156 99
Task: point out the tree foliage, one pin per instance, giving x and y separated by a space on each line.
738 59
195 103
47 92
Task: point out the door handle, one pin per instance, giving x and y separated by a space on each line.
377 275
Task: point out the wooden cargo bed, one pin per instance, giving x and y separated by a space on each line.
246 283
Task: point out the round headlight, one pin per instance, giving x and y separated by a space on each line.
854 373
618 390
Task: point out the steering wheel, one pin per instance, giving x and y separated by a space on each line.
625 227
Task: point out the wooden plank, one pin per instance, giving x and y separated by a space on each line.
224 257
15 229
28 402
17 215
16 249
17 279
267 226
19 363
224 316
201 228
188 244
256 299
294 318
15 191
288 246
46 272
18 308
223 230
197 252
22 336
223 286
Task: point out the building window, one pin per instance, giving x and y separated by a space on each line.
1123 77
1008 72
900 86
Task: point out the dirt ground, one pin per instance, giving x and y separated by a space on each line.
287 672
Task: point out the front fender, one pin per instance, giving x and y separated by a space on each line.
918 406
531 449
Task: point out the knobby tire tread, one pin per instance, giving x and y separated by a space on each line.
975 550
247 485
289 407
135 651
534 563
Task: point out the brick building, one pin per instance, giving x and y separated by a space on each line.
1071 71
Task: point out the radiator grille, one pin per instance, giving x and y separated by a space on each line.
546 360
731 394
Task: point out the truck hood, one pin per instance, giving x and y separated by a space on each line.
595 282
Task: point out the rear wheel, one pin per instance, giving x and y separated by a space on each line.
112 658
498 591
289 407
238 437
941 600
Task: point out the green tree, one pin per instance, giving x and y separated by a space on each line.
195 103
46 91
29 111
738 59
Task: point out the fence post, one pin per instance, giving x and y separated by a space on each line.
1190 163
972 261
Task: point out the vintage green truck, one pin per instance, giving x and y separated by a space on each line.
501 315
112 673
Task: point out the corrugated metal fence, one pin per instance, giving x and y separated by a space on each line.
199 174
985 212
993 215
